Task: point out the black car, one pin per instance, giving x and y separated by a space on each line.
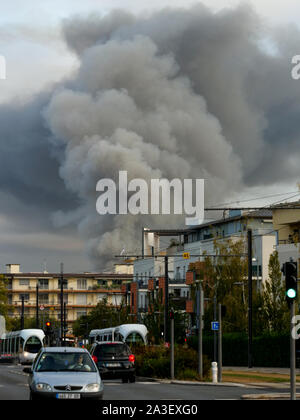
114 360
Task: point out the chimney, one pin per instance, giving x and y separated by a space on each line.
13 268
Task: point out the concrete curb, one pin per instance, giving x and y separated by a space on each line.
273 396
194 383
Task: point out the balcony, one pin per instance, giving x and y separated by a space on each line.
177 281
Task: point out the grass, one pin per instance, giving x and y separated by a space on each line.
255 377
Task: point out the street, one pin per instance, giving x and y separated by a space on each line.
13 386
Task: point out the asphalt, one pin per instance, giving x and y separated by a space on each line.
264 386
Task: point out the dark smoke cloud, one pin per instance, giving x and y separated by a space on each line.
181 93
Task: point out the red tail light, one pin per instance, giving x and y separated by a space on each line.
95 359
131 358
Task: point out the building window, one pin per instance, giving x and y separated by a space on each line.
79 314
65 298
81 284
25 295
102 283
254 271
81 299
24 282
65 283
43 298
44 284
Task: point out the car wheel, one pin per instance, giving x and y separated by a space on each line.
125 379
132 379
32 396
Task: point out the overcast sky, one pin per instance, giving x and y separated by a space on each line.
33 42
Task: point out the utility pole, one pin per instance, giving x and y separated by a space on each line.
200 332
292 353
215 332
220 345
65 321
37 305
172 344
61 304
22 312
249 298
166 313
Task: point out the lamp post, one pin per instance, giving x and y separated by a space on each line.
37 305
199 319
249 236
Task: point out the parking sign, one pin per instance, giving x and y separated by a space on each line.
215 326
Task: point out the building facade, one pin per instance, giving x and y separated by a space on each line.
286 221
198 241
81 293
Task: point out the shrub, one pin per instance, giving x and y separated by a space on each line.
154 361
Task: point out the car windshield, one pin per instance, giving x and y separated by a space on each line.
111 349
33 345
65 361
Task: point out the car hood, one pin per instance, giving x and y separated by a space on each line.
64 378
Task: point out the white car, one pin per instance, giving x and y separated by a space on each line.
64 373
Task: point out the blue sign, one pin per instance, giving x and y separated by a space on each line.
215 326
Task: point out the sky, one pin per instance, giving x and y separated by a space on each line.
50 161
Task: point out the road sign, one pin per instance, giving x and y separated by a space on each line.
186 255
42 308
215 326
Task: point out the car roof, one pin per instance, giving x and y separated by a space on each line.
65 350
101 343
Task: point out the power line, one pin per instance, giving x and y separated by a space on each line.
258 198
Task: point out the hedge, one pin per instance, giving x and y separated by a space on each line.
154 362
270 350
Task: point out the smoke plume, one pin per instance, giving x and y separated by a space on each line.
183 93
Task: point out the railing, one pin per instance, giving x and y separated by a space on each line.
177 281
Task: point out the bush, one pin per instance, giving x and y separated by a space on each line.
154 361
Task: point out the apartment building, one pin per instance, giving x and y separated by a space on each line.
81 292
286 221
149 272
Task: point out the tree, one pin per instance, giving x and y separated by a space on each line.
154 318
103 316
225 279
275 309
4 307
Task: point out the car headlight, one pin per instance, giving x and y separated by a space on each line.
43 387
92 388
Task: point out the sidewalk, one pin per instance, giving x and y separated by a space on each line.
248 383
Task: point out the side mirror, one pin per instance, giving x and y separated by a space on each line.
27 370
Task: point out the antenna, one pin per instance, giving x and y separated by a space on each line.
45 265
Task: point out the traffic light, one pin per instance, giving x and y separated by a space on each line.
290 272
171 314
48 328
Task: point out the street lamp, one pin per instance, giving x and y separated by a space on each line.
22 311
199 319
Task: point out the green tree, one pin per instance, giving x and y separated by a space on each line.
154 318
275 309
4 307
225 279
103 316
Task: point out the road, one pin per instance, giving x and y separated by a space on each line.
13 386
